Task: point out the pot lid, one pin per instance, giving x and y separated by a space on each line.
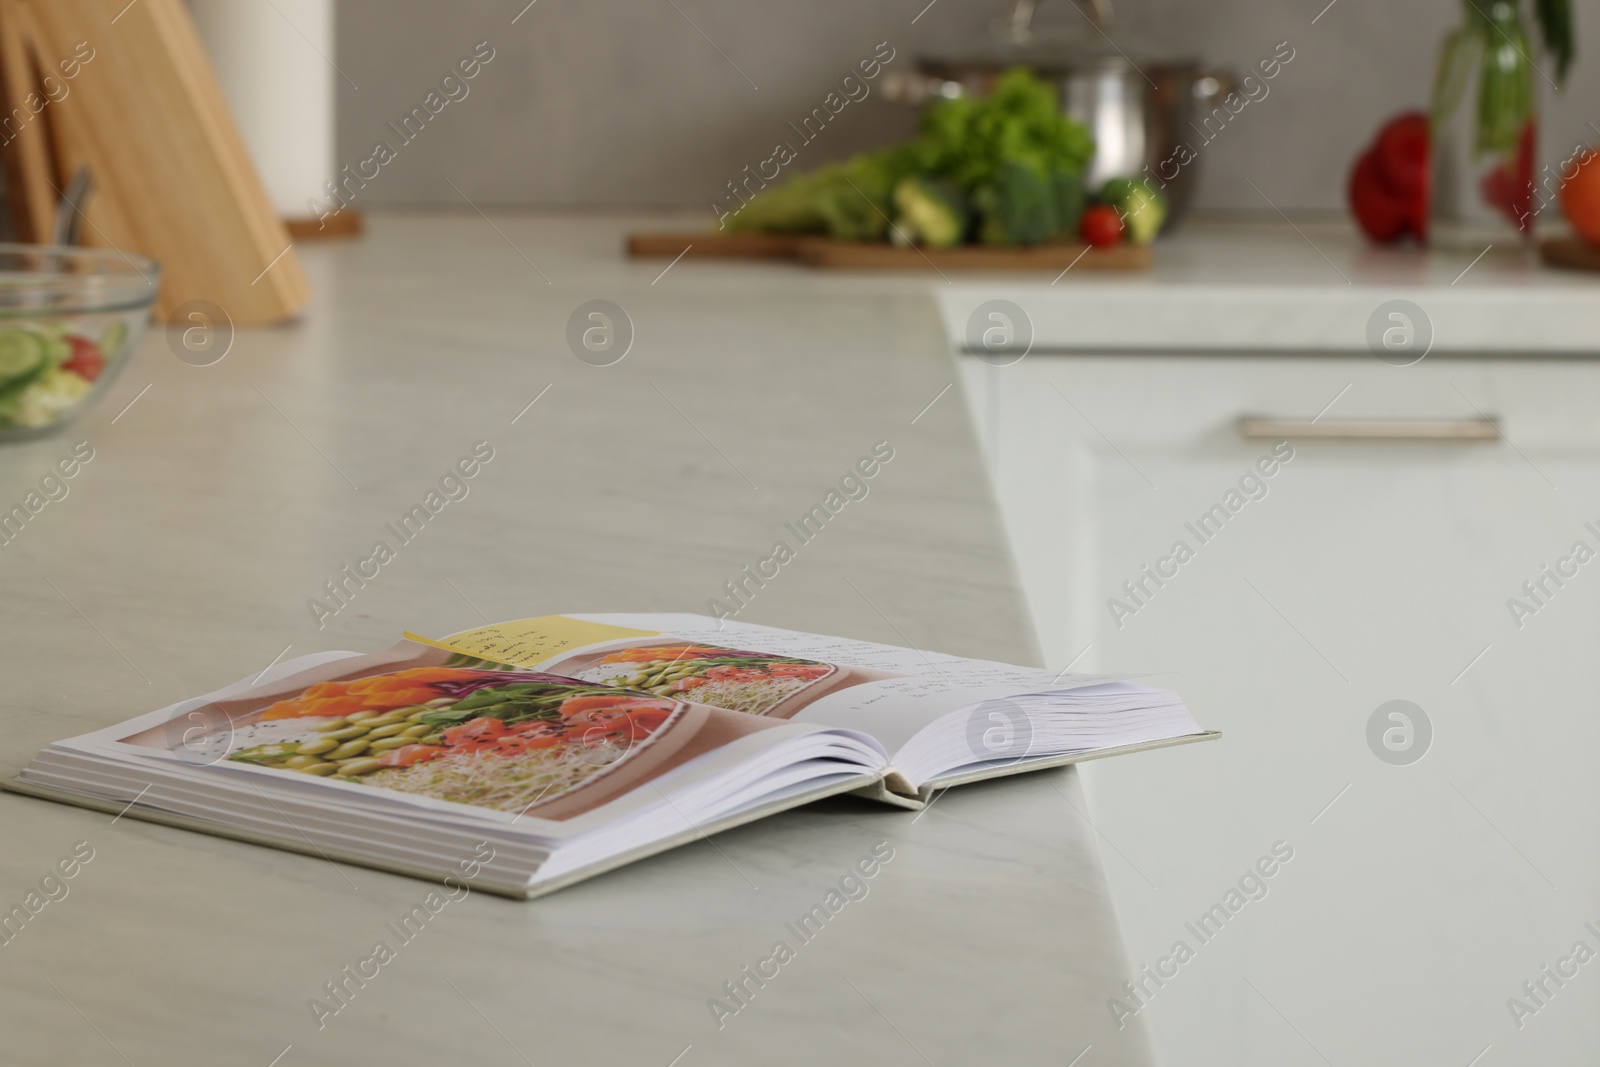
1068 36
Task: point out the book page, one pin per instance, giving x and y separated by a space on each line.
442 730
885 691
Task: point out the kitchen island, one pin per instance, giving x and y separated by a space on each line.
219 500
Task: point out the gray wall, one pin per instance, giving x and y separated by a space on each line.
623 102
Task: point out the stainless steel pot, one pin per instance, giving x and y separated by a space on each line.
1138 107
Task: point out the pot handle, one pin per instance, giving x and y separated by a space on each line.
907 87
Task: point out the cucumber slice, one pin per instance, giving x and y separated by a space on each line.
57 350
112 340
22 357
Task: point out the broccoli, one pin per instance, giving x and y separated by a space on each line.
931 211
1018 207
1069 202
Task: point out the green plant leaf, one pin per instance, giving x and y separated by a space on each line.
1555 27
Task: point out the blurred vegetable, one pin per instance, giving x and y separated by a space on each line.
1580 195
86 360
1508 186
847 200
855 206
1141 205
45 372
1555 26
1505 85
1389 184
1379 211
1404 148
930 211
1101 226
1070 200
112 340
22 358
1013 155
1017 206
49 397
1020 121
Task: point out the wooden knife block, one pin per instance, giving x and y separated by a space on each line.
173 179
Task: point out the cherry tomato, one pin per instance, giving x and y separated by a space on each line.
1101 226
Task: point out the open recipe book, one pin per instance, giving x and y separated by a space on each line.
571 744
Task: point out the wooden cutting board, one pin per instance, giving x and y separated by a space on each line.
26 151
1570 252
854 255
173 178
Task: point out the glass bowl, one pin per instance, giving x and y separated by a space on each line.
69 319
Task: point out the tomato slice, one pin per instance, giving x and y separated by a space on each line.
86 361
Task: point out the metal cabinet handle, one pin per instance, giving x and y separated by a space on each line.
1265 429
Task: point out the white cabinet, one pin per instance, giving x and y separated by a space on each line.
1357 573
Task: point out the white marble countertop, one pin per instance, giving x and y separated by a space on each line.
223 497
1225 286
1277 287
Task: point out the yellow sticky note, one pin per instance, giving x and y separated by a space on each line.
531 642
